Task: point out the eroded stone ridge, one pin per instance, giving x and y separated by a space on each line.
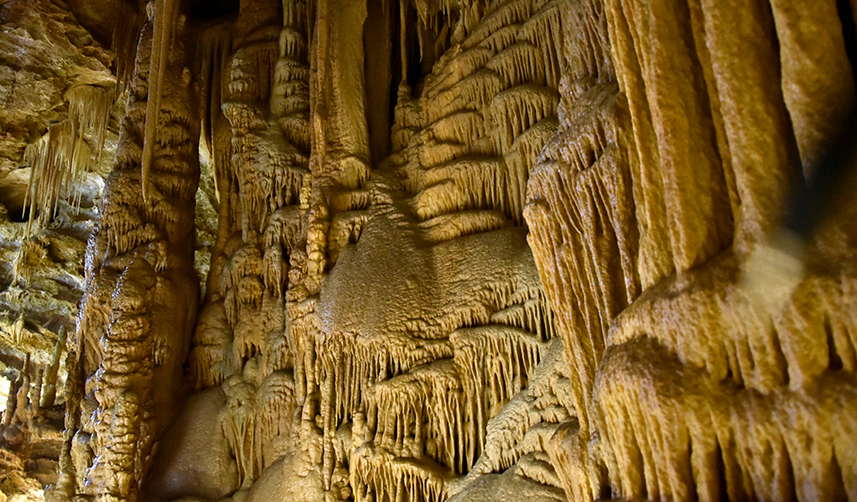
458 250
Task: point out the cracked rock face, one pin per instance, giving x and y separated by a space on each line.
417 250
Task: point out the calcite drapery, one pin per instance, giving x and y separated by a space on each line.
142 291
692 341
522 273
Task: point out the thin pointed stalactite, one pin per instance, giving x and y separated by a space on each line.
60 159
166 14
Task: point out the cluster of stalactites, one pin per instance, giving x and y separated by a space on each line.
454 19
212 55
483 118
257 420
386 478
60 159
747 402
430 399
255 85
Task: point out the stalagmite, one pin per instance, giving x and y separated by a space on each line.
35 396
50 381
11 403
22 400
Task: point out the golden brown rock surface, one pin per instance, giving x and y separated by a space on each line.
425 250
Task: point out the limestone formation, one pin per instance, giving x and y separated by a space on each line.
427 250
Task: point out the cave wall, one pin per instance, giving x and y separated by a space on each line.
655 203
509 249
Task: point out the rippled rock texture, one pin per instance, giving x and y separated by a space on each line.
427 250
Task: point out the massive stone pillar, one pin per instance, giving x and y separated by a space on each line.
243 340
142 291
645 212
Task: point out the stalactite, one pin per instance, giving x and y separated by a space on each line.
502 38
165 14
456 69
212 55
255 417
422 411
533 315
544 31
389 479
490 381
474 90
725 426
521 63
741 358
469 183
506 14
515 110
89 113
126 34
519 160
462 127
60 159
447 227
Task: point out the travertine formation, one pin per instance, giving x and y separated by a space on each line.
424 250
